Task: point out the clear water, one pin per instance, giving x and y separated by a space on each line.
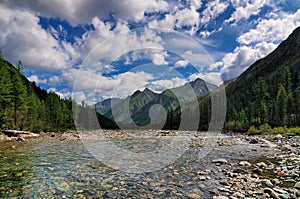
49 168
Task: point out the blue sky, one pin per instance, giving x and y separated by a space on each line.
113 47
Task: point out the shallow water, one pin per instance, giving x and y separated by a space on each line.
49 168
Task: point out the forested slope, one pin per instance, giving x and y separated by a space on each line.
25 106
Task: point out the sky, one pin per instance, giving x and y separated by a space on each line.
111 48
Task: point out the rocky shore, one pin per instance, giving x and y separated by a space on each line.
13 135
275 174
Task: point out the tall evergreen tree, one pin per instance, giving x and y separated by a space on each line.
5 94
281 106
260 97
19 95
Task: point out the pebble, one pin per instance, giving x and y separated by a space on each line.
275 181
261 165
221 197
253 141
245 163
239 170
220 161
297 185
193 196
268 183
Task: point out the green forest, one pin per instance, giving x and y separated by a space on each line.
25 106
276 104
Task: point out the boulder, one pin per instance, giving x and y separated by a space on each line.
220 161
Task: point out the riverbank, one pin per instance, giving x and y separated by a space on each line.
275 174
20 135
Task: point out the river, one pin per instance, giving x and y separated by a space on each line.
48 167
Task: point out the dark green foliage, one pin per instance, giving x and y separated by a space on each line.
25 106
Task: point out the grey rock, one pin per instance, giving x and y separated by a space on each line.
297 185
245 163
268 183
239 170
253 141
261 165
257 171
275 181
284 196
21 139
268 190
220 161
280 191
221 197
202 178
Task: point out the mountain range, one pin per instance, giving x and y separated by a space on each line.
135 108
266 93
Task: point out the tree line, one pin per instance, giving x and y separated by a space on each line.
25 106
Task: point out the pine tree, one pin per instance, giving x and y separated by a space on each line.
18 98
5 94
281 106
52 106
260 97
83 117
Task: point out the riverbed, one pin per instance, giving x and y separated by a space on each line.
236 167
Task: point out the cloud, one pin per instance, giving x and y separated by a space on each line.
181 63
195 3
246 9
213 10
186 19
105 43
161 85
212 78
54 80
273 29
91 83
83 11
159 58
34 78
168 22
237 62
198 59
22 38
215 65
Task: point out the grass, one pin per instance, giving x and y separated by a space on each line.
267 130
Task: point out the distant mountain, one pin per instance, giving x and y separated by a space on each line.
135 108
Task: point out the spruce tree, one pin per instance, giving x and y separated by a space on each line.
5 94
281 106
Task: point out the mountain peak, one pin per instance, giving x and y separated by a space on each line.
147 90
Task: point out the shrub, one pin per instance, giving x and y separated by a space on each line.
295 130
280 130
265 129
253 131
